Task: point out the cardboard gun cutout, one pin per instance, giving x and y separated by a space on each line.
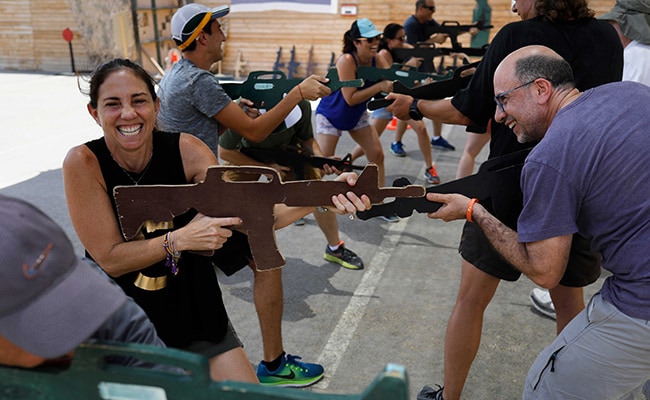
453 29
252 201
428 51
406 75
297 160
495 182
431 91
267 92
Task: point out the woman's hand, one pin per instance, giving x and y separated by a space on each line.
205 233
349 203
385 86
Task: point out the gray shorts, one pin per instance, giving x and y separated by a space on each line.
601 354
209 349
325 127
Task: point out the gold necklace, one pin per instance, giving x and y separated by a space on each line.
142 174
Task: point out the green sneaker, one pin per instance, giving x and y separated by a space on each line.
291 373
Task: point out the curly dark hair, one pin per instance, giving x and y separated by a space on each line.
564 10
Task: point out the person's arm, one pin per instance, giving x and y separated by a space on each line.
257 129
97 227
543 261
437 110
347 70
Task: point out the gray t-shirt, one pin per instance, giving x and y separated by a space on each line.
190 97
589 175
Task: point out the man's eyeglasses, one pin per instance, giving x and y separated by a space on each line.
430 8
499 98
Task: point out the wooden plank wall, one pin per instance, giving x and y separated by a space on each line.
258 35
31 36
31 32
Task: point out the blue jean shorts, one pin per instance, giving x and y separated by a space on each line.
381 113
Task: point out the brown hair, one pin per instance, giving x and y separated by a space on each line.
563 10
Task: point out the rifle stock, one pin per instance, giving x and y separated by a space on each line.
159 209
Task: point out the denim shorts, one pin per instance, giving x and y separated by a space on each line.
381 113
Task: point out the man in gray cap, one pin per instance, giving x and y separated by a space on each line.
631 19
50 300
193 101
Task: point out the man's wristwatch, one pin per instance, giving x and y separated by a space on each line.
414 113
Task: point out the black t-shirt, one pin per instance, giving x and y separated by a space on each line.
591 46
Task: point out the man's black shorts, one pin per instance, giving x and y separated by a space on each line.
583 267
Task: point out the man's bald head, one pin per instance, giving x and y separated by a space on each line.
531 62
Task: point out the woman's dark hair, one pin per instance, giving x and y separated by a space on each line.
348 42
390 32
103 71
563 10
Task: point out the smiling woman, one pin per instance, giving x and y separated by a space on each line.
346 109
154 268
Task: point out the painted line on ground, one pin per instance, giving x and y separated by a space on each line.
341 336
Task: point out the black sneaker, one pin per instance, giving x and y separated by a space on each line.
347 258
429 393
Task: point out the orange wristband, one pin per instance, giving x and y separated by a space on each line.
300 90
470 208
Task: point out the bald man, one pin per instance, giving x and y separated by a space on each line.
570 187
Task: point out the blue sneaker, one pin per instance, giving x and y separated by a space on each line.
397 148
291 373
441 143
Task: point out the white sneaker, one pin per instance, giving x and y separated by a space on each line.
542 302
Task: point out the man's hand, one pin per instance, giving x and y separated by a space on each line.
248 107
454 206
401 105
438 38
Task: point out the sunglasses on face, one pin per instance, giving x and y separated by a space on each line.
400 38
371 40
430 8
